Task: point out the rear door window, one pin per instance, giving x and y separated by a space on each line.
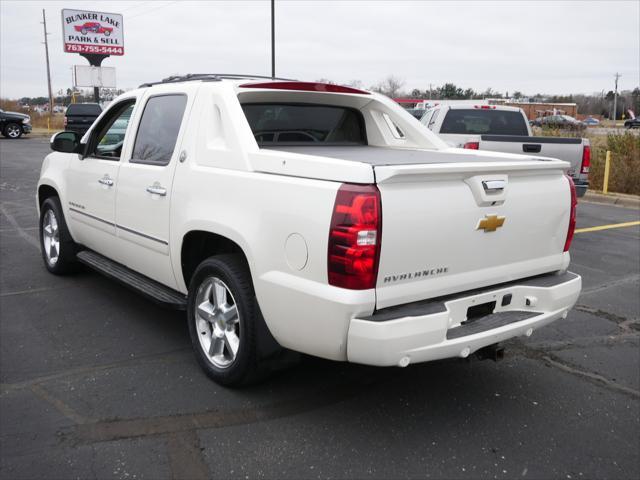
305 124
479 121
158 129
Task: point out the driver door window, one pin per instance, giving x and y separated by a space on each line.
109 140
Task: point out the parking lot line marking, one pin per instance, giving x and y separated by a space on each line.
607 227
29 238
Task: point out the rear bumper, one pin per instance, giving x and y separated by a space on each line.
581 187
26 128
433 330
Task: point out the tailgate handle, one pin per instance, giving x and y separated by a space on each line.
494 186
531 148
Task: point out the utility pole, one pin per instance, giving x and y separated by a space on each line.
273 39
46 49
615 99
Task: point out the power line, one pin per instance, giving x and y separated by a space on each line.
153 9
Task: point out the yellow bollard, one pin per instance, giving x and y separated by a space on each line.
48 124
607 162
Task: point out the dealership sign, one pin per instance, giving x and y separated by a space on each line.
92 32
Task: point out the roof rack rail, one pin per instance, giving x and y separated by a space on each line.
209 77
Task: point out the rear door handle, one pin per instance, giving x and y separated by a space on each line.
106 180
531 148
156 189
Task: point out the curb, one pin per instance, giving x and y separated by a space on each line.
618 199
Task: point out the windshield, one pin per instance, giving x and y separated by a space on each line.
308 124
477 122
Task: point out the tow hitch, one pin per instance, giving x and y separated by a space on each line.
493 352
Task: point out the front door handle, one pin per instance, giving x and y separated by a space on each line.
106 180
156 189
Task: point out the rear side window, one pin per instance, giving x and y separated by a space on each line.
477 122
86 109
158 129
305 124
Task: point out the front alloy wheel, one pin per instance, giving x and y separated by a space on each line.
217 322
50 237
58 248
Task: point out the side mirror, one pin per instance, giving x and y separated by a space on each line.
66 142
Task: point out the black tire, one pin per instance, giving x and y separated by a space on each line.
66 260
234 273
12 130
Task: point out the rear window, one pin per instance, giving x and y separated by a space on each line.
275 123
477 122
89 109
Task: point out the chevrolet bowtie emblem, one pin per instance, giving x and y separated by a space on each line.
490 223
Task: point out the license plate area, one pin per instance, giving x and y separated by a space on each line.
476 312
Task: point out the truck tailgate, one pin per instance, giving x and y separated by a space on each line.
446 227
567 149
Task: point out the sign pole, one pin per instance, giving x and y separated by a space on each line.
273 39
46 49
95 60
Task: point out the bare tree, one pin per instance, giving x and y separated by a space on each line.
390 86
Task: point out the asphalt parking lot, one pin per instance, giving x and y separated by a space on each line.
97 382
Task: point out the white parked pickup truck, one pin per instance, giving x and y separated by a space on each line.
500 128
286 215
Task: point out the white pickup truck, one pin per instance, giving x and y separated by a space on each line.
498 128
286 215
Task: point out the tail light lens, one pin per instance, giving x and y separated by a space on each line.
65 121
586 159
354 237
572 216
472 145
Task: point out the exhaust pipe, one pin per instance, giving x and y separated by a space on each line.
493 352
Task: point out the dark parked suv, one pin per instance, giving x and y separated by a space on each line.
632 123
80 116
14 124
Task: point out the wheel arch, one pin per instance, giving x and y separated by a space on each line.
46 191
198 245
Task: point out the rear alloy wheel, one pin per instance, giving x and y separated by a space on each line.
13 130
217 322
222 315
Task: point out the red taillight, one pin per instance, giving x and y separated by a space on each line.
354 237
572 216
485 107
472 145
305 87
64 123
586 159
